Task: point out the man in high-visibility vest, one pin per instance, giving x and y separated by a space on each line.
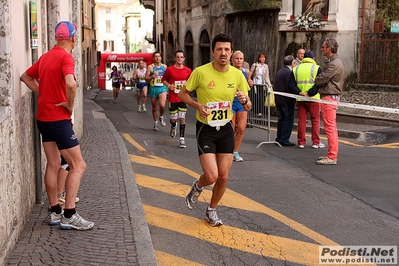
303 78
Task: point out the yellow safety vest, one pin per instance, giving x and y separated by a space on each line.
305 76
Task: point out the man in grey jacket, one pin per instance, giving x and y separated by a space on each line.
330 83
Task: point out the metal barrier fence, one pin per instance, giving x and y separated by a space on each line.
259 115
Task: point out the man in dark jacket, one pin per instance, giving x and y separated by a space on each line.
285 106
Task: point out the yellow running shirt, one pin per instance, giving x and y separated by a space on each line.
216 90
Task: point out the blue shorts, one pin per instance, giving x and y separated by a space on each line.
60 132
154 92
141 85
211 140
237 106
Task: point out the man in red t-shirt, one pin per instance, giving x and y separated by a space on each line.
57 89
174 78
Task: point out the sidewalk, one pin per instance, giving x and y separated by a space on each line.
108 196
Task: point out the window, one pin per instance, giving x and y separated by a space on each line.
108 46
108 10
139 23
108 25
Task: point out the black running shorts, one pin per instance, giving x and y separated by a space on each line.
59 131
212 140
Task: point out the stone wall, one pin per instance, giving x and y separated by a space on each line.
256 32
19 188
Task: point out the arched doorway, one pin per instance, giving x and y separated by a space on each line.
189 49
205 48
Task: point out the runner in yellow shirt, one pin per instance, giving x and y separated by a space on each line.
216 84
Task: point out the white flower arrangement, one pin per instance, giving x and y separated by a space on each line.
306 21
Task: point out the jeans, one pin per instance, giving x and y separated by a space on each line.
314 109
329 112
285 122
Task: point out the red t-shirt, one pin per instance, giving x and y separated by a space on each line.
50 70
178 77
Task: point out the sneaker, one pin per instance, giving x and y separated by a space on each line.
75 222
182 143
162 120
172 132
61 199
237 157
318 146
115 101
322 157
301 146
143 107
326 161
192 197
212 218
54 218
139 109
156 127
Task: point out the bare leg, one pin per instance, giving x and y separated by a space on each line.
216 170
51 172
77 166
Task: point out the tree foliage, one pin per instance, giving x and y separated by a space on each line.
387 10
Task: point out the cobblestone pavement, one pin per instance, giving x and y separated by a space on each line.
108 196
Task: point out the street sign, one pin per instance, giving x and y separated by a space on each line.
395 26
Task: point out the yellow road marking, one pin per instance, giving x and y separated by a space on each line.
233 200
165 259
277 247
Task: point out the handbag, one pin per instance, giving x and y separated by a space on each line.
271 97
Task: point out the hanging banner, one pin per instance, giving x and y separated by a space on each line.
33 24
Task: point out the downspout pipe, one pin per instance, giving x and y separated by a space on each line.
38 154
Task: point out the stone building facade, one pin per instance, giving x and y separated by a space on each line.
21 155
191 25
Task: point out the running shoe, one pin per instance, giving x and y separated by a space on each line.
172 132
237 157
192 197
318 146
182 143
162 120
75 222
139 109
212 218
54 218
143 107
156 127
301 146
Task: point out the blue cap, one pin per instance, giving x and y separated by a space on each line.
309 54
65 30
